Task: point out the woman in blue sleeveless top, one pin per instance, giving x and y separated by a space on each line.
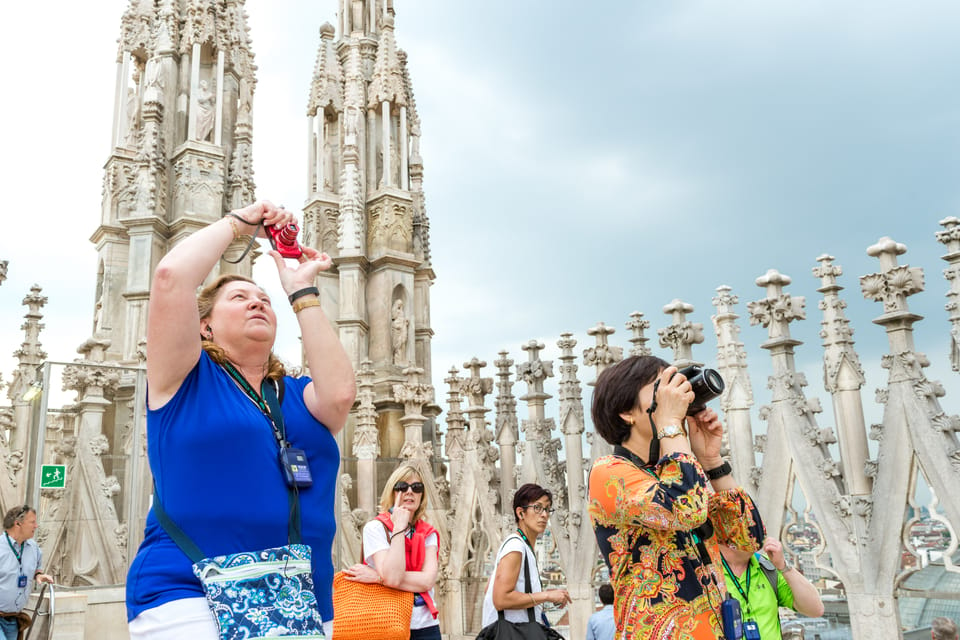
211 445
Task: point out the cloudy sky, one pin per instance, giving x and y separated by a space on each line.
582 160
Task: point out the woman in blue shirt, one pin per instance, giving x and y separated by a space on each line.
211 445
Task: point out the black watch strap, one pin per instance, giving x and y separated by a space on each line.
718 472
306 291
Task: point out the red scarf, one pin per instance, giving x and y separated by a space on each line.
415 547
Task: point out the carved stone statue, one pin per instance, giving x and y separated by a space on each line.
133 113
400 326
351 127
206 115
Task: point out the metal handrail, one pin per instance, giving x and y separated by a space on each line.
37 612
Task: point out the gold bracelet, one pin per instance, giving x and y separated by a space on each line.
532 599
233 225
302 304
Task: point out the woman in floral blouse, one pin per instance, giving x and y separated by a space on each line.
663 502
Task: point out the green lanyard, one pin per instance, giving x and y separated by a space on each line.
736 581
258 399
16 554
525 539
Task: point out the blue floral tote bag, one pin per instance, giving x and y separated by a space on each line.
262 594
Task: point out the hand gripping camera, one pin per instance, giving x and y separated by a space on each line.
707 384
284 239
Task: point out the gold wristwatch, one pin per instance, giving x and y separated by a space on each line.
671 431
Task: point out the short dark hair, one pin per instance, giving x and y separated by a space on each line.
15 515
606 594
528 494
616 392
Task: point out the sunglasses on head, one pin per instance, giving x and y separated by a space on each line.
416 487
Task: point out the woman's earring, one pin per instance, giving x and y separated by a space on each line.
209 334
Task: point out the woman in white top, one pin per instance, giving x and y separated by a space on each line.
401 550
505 591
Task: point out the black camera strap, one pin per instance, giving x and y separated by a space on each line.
253 239
654 436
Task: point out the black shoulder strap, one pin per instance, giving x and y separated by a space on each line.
526 575
188 546
527 585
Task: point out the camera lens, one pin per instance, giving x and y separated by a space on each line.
713 381
707 384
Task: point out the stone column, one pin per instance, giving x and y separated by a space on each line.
843 378
30 356
218 104
575 535
950 237
456 428
414 395
386 144
508 433
600 356
737 395
404 159
194 90
537 426
366 444
929 429
775 312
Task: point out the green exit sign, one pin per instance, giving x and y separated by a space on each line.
53 476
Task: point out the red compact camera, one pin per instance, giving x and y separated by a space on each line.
284 239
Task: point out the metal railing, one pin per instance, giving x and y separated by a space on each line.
44 627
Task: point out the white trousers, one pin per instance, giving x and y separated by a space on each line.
186 618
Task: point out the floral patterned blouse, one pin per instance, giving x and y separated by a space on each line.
658 530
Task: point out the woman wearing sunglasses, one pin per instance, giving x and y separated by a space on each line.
507 590
401 550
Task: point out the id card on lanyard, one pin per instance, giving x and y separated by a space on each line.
293 462
751 631
21 579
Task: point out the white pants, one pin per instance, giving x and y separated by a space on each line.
186 618
175 620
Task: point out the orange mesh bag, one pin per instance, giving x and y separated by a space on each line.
362 611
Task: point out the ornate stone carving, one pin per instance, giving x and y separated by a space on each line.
893 283
602 355
778 309
681 334
637 325
391 226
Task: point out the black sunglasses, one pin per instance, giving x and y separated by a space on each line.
416 487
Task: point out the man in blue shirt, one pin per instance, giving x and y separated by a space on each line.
601 625
19 566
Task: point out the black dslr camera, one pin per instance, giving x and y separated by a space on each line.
707 384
